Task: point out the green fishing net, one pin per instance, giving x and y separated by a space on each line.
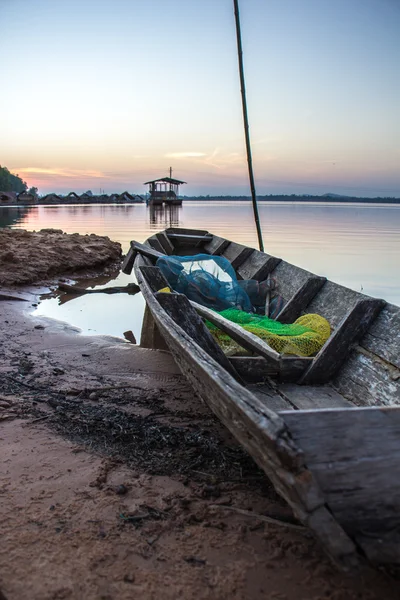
304 337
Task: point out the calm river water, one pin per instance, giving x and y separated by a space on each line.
357 245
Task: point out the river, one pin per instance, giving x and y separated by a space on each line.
356 245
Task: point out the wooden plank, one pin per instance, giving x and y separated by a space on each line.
289 279
217 245
352 327
183 231
254 368
165 243
383 337
305 397
257 368
178 307
258 266
154 243
191 238
131 288
300 300
147 251
367 380
127 263
333 302
237 254
247 340
260 430
269 397
150 336
354 457
154 278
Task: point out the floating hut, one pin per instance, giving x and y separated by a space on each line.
50 199
26 198
72 197
164 191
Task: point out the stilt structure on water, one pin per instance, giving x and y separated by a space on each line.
164 190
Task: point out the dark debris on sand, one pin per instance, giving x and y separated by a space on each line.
160 443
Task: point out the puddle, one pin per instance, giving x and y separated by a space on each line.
98 314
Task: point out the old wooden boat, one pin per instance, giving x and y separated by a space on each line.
325 429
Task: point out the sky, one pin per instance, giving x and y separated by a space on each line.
105 95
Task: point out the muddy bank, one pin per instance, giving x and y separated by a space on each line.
117 482
29 256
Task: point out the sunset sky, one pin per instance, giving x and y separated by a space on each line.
107 94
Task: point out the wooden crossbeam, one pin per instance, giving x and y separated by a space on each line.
241 336
300 300
237 254
350 330
217 245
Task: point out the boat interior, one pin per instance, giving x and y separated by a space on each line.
326 428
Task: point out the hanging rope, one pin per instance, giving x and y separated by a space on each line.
246 126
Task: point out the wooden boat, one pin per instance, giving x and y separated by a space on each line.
326 429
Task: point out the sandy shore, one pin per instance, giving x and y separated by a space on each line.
117 482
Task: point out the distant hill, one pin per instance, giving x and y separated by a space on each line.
329 197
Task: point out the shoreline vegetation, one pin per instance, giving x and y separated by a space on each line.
14 191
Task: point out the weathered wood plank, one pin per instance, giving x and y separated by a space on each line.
355 460
259 430
352 327
333 302
237 254
147 251
247 340
305 397
127 263
154 278
300 300
150 336
289 279
165 243
178 307
184 231
191 238
131 288
257 368
383 337
271 399
217 245
254 368
258 266
367 380
154 243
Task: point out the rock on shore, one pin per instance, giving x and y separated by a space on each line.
30 256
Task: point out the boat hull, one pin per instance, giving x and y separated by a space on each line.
334 463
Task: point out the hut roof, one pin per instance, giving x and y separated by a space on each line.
51 195
165 180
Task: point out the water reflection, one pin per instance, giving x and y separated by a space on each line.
355 245
162 217
117 314
10 215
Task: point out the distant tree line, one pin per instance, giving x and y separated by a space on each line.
299 198
9 182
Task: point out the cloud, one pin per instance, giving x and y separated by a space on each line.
56 172
185 155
